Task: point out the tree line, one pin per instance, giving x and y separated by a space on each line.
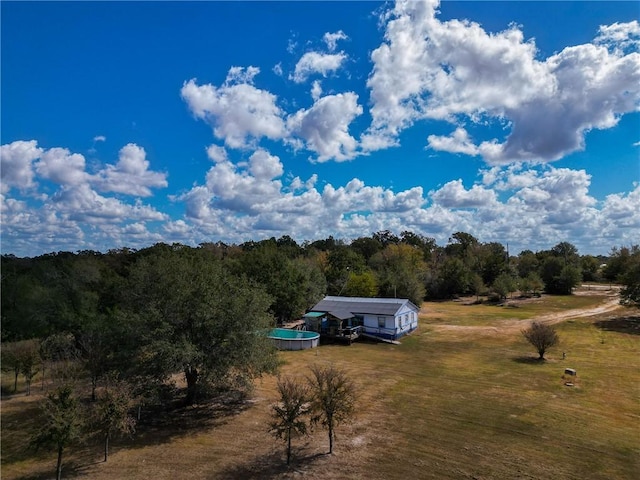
78 293
151 313
146 315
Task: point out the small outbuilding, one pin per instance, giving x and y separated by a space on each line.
349 317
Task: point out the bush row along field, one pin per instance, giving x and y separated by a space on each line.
463 402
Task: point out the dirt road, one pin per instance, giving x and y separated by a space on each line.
509 326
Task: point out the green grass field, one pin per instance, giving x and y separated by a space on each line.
462 397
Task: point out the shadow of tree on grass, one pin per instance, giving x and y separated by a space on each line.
529 360
629 324
163 424
273 465
71 469
158 425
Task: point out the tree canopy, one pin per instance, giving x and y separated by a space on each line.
147 315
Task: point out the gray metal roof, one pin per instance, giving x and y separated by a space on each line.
362 305
341 314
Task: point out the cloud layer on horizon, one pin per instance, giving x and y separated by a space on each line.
530 207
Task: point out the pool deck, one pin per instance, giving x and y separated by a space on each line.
295 325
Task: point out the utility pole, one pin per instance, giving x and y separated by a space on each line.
345 282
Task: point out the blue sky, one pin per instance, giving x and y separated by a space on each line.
127 124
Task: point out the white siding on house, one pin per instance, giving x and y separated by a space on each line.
388 318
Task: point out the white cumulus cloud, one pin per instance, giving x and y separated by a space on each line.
458 142
445 70
62 167
237 110
16 164
454 195
75 215
317 63
131 174
325 126
620 35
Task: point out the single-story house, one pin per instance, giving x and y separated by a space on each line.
388 318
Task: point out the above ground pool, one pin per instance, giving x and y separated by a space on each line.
285 339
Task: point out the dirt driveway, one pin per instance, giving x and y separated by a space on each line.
509 326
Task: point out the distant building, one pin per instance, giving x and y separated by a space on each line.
349 317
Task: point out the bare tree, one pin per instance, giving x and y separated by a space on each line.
288 414
541 336
333 399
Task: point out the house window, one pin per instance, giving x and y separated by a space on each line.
381 322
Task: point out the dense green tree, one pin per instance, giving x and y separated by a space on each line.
313 285
619 261
11 361
59 347
460 244
531 284
630 293
490 261
288 415
524 285
568 252
386 238
504 285
59 355
333 397
361 285
293 283
342 261
61 424
98 343
550 272
427 245
590 267
400 270
559 277
29 359
570 277
28 301
289 247
453 278
535 282
527 262
198 318
113 411
366 246
477 286
55 293
328 244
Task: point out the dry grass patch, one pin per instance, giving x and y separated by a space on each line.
446 403
466 312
